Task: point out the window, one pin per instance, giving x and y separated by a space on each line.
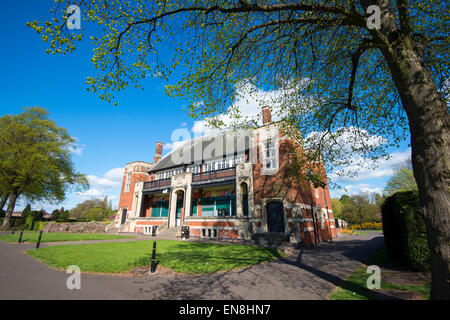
160 209
209 166
194 168
168 174
244 199
194 210
128 182
218 206
209 233
238 159
270 155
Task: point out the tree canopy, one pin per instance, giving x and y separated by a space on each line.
310 51
93 209
35 162
360 208
401 180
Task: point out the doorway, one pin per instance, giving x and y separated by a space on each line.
275 217
124 216
179 209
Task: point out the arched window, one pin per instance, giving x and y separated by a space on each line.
244 190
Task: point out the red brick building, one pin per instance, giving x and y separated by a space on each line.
232 185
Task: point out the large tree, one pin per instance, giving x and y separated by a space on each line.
35 159
369 77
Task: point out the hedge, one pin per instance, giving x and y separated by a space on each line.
404 229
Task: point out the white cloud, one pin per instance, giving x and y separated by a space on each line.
108 185
353 189
346 140
246 107
366 168
76 148
115 174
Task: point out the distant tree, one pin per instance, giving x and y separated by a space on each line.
35 159
402 180
26 211
344 198
337 208
55 214
360 208
93 209
64 214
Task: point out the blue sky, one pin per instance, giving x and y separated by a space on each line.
108 137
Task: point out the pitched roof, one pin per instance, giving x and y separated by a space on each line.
206 148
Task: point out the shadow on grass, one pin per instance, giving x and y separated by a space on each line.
198 258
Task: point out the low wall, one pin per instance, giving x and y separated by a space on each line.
75 227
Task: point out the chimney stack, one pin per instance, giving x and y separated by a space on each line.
158 152
267 115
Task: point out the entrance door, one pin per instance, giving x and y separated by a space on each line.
178 212
124 216
275 216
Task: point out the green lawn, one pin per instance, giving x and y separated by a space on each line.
186 257
355 286
32 236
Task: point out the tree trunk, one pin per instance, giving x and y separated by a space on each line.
11 204
430 128
3 201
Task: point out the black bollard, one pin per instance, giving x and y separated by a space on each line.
39 240
20 237
153 266
13 230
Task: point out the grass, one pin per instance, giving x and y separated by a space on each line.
32 236
355 286
185 257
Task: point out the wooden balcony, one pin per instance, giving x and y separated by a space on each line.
157 184
223 174
217 176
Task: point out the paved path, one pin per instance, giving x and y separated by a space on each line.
310 274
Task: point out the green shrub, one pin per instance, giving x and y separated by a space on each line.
404 229
39 225
29 222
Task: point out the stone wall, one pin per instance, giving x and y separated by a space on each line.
75 227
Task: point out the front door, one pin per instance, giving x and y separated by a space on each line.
178 212
124 216
275 216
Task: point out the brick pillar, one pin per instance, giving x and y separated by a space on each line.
267 115
158 152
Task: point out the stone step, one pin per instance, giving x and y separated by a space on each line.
169 232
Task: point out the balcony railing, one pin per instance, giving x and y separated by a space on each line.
157 184
226 174
214 175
